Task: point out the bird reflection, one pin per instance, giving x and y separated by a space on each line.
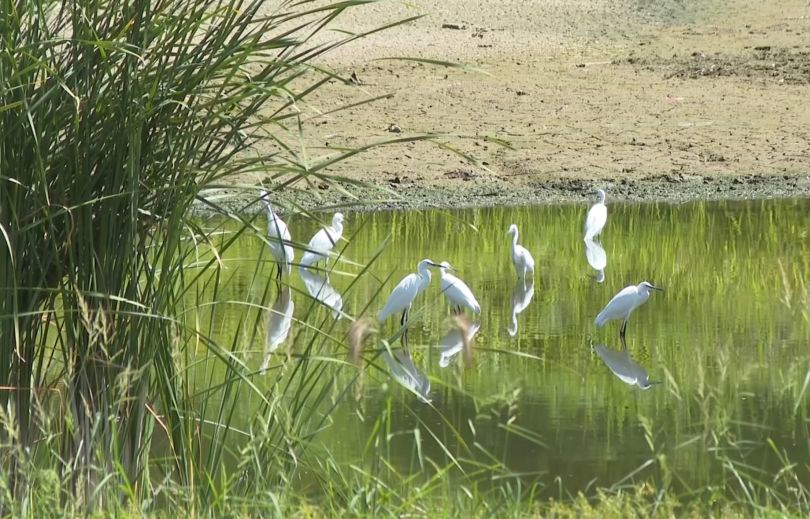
597 258
624 367
319 288
406 374
278 324
521 297
453 341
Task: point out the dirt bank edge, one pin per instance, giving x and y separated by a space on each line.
669 188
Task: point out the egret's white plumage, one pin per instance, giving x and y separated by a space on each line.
521 297
406 291
622 304
597 217
278 235
456 291
521 258
323 242
625 368
322 291
597 258
279 323
453 341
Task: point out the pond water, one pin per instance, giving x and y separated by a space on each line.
727 340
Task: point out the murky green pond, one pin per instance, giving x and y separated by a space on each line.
728 340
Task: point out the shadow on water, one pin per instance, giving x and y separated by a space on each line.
624 367
521 297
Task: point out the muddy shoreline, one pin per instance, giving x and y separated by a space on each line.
389 197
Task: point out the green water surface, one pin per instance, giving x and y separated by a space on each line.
728 340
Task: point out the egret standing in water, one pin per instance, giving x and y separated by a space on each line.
623 304
323 242
597 217
279 237
405 292
521 258
457 292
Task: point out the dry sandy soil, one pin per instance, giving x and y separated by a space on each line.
670 99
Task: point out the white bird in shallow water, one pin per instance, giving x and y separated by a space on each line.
457 292
323 242
521 258
279 237
597 217
405 292
620 363
623 304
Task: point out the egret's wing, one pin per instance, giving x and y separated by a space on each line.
597 216
402 296
457 290
526 257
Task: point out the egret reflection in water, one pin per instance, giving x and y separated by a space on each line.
624 367
453 341
320 289
278 324
403 370
597 258
521 297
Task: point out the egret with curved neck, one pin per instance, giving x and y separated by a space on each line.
405 292
521 258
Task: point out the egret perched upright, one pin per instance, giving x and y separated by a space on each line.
521 258
279 237
278 325
406 291
597 216
457 292
628 371
623 304
323 242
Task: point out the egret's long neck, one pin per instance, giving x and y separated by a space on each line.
601 198
424 272
338 227
514 241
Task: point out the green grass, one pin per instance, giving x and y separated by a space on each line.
117 396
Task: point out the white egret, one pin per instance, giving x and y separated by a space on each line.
453 341
623 304
279 237
521 258
625 368
322 291
597 217
405 292
597 258
457 292
323 242
407 374
279 323
521 297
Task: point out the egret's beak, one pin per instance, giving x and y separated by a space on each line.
435 265
654 382
657 288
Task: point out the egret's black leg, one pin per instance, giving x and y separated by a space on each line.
623 329
624 343
404 318
278 273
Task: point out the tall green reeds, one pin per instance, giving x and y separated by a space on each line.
114 116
